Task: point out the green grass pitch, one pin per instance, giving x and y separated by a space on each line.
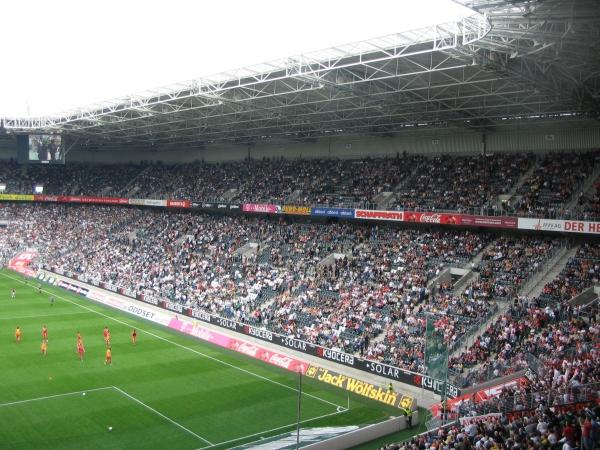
167 392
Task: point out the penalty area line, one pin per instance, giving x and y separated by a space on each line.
149 408
29 400
212 358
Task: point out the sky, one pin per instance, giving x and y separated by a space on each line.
61 54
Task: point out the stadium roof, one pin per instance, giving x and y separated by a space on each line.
509 62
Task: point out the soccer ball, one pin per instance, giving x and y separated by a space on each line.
109 428
83 393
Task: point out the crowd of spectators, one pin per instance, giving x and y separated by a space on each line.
354 300
341 285
554 183
453 183
546 327
544 428
355 287
330 182
69 179
563 342
284 282
556 405
506 263
460 183
590 207
581 272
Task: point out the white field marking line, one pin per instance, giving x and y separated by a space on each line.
45 315
161 415
185 348
19 402
272 429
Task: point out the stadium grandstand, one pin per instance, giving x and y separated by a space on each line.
389 244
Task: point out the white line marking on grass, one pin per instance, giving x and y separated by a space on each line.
162 415
184 347
45 315
272 429
53 396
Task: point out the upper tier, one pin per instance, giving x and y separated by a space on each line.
559 185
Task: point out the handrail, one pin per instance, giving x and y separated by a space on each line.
473 329
565 395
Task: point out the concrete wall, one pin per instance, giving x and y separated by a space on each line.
545 140
365 434
341 148
560 137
